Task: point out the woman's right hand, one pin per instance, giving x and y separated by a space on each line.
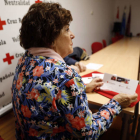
96 83
125 99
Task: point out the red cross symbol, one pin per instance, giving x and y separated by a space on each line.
38 1
1 24
8 59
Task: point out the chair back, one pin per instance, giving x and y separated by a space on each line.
114 39
120 36
96 46
104 43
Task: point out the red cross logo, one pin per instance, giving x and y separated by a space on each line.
1 24
38 1
8 59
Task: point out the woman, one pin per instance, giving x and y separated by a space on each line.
48 96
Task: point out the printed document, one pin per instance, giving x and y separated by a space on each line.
119 84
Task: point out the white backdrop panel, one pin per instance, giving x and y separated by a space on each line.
11 13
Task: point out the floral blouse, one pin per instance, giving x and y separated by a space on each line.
50 103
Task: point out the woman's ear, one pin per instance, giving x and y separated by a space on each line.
53 46
54 43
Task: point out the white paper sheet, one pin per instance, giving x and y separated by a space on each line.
87 80
94 66
97 75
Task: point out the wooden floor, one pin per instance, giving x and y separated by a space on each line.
7 128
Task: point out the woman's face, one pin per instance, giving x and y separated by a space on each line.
63 44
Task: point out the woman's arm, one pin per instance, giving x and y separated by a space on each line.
73 105
79 119
70 61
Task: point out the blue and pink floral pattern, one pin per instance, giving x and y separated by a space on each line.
50 103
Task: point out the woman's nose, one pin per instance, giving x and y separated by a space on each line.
72 36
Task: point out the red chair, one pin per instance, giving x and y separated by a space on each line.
104 43
96 46
114 39
84 49
120 37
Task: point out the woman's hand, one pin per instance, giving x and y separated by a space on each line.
125 99
81 66
76 68
96 83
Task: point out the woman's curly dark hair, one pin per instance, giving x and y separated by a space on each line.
42 24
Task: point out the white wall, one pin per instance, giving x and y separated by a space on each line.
90 28
135 13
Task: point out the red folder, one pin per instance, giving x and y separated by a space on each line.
111 94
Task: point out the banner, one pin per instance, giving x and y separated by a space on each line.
11 13
128 23
117 16
123 24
